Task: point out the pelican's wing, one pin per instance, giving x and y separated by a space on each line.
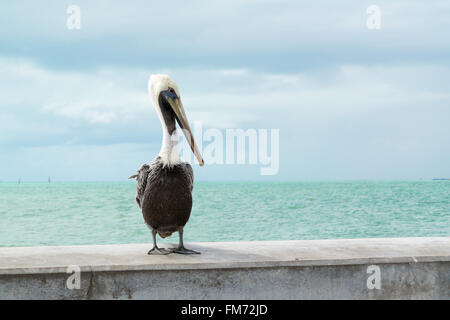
141 183
189 173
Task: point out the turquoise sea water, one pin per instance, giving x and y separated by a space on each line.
34 214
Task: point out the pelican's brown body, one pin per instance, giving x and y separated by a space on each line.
164 193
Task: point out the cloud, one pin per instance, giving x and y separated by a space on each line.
349 102
265 35
353 114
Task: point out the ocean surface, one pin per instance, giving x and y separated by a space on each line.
33 214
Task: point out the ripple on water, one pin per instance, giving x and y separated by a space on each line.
101 213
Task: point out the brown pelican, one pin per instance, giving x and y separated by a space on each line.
164 188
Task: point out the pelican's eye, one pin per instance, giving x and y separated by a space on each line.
171 90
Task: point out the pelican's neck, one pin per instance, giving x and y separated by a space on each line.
169 148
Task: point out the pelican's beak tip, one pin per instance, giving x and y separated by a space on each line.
202 163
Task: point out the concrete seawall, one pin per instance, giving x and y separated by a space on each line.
396 268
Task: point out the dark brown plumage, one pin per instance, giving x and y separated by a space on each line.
165 195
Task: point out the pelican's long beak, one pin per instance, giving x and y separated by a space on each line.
177 107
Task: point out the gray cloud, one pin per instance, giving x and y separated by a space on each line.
349 102
265 35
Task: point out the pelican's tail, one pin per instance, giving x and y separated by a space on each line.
166 232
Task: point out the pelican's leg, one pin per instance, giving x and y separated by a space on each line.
156 249
181 249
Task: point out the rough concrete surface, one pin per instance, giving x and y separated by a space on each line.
407 268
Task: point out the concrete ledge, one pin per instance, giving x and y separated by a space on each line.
307 269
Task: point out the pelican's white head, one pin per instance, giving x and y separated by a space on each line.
158 83
166 100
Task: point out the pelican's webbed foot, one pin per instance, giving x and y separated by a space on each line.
183 250
157 250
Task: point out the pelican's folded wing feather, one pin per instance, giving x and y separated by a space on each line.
141 183
190 174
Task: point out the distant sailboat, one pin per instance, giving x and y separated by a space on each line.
49 180
18 182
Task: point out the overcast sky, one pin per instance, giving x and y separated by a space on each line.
350 103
